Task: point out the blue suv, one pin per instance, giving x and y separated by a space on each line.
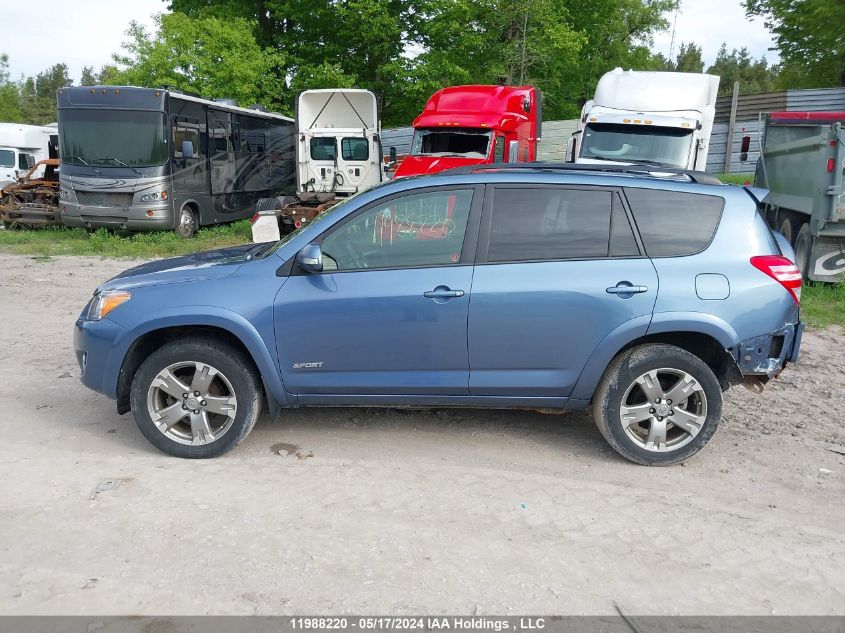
640 297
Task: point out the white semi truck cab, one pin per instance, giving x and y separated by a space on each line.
22 146
644 117
339 147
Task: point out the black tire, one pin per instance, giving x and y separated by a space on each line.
268 204
803 248
787 229
622 374
236 368
187 222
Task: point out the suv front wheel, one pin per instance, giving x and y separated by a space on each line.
658 404
196 397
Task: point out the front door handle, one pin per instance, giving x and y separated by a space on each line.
443 292
625 289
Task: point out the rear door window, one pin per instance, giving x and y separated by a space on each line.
323 148
537 223
674 223
355 149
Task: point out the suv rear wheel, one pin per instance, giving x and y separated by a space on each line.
196 398
658 404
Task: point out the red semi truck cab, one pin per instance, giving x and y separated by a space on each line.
472 125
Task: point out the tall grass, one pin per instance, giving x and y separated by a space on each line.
61 240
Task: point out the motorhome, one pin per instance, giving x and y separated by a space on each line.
152 159
467 125
637 117
22 146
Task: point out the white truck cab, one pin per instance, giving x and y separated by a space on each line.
21 146
645 117
339 147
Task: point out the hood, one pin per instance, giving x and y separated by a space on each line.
421 165
198 266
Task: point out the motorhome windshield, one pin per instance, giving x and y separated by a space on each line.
113 138
7 158
624 142
466 142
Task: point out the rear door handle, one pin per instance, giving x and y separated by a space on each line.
626 288
443 292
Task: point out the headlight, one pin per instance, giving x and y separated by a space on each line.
152 197
105 302
66 194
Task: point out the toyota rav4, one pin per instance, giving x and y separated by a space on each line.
638 296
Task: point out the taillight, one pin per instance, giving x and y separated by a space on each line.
254 218
781 270
831 165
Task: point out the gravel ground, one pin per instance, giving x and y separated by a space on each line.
384 511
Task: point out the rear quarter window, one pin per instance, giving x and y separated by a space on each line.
674 223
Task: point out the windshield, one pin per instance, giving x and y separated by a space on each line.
113 138
466 142
621 142
7 158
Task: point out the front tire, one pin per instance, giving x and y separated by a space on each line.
658 404
196 398
803 247
187 223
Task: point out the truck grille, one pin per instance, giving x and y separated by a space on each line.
101 199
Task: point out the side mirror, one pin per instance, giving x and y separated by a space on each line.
571 147
310 258
187 149
744 146
392 155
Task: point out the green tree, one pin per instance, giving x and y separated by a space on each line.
809 39
689 59
88 77
753 75
10 107
206 55
37 95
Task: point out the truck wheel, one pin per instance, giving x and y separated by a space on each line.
803 248
187 222
786 229
196 398
657 404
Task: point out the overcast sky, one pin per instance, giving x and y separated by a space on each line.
87 32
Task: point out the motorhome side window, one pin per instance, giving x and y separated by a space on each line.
354 149
7 158
323 149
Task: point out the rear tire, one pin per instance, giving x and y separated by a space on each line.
787 229
196 398
803 248
646 381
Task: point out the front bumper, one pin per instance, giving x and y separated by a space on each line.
98 354
132 218
768 354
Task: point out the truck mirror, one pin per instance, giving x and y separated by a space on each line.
526 104
743 148
570 149
187 149
392 152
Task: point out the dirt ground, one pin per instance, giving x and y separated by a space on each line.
384 511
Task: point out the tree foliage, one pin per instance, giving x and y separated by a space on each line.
810 38
753 75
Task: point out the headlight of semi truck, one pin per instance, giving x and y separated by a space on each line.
105 302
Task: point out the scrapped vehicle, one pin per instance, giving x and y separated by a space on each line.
34 199
638 296
802 165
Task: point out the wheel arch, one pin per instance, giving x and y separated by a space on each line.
702 335
140 343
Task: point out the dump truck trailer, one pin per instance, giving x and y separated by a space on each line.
802 163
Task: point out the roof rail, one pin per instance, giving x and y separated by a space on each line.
655 171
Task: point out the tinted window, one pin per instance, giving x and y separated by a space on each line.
323 149
355 148
673 223
425 229
531 224
622 241
7 158
113 138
